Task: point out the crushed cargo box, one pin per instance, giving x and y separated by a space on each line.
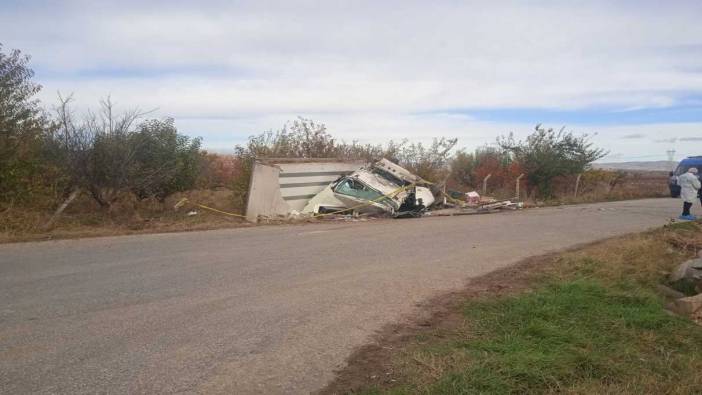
280 187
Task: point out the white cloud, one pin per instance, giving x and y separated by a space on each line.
229 69
663 137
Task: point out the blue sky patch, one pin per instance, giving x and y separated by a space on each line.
678 114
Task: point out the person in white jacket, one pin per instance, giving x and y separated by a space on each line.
689 186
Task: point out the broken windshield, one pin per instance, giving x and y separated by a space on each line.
357 189
389 176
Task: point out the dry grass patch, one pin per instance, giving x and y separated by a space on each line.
26 225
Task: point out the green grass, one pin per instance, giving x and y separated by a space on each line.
570 335
592 323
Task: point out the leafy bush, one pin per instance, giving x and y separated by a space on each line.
217 170
106 155
22 123
469 169
166 161
547 154
429 162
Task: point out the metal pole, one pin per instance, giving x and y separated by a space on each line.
485 180
517 188
577 185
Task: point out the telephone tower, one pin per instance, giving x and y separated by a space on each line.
671 155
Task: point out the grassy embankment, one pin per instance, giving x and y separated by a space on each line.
83 218
586 321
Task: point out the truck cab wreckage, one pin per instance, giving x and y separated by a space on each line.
380 188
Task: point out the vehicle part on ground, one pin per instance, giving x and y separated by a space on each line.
381 188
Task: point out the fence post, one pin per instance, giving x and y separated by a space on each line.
517 187
50 223
577 185
485 180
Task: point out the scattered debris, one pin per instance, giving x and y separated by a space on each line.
473 198
348 191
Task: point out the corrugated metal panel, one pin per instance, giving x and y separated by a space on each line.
310 174
305 184
300 182
301 190
296 183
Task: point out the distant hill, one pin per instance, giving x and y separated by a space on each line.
660 165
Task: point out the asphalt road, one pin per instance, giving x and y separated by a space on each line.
258 310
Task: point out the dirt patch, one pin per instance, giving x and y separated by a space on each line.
372 363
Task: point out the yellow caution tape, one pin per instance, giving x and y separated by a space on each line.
370 202
184 200
453 200
390 195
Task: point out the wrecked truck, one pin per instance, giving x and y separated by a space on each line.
381 188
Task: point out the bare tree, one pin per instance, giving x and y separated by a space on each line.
94 152
107 153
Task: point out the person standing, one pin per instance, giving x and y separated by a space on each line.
673 185
689 186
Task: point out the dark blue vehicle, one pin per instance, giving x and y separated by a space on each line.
683 166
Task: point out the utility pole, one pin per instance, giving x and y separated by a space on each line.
671 155
485 180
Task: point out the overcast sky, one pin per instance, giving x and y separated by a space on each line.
628 71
